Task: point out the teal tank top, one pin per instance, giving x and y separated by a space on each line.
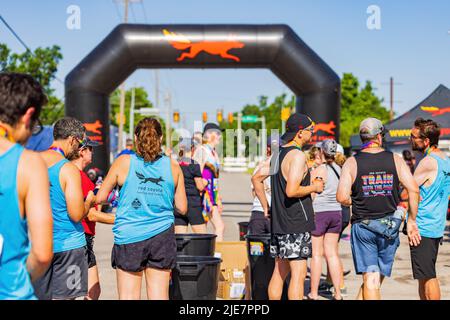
432 214
67 235
15 282
146 198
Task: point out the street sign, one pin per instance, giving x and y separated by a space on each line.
250 119
147 111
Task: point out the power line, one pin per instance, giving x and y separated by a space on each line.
132 13
23 42
145 11
117 10
14 33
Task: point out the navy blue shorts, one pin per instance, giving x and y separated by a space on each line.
371 251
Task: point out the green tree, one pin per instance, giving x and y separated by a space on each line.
141 101
271 111
356 105
42 64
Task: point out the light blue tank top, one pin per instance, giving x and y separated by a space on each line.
145 201
15 282
67 235
432 214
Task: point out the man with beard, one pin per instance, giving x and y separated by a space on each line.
370 183
67 276
433 176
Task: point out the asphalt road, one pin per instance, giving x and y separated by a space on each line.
237 198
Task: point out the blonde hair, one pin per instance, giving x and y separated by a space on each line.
148 139
340 159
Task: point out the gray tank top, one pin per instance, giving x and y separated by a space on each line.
326 201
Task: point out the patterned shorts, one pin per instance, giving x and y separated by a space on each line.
296 246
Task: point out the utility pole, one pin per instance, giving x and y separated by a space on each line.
122 86
263 137
168 100
132 113
391 85
239 137
391 96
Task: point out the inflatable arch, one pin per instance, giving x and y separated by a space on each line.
132 46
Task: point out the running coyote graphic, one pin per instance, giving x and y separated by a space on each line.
435 111
94 127
152 180
326 127
219 48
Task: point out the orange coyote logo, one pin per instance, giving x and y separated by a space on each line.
326 127
435 111
94 127
218 48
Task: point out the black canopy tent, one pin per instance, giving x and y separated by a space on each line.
436 107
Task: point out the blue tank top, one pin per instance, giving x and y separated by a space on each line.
145 201
67 235
432 214
15 282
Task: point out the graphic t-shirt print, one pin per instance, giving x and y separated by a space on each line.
378 184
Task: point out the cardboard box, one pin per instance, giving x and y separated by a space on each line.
233 280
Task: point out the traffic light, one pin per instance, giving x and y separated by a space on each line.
285 114
219 116
176 116
230 117
205 117
118 118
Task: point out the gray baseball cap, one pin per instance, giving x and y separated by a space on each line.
329 147
370 127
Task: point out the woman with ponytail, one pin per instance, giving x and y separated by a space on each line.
152 188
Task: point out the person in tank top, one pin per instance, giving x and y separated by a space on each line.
291 214
25 214
433 176
370 183
152 187
69 264
328 221
208 158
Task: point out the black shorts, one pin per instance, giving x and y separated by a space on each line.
423 258
258 224
158 252
66 278
297 246
194 217
92 261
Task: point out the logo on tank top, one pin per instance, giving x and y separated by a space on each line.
377 184
150 179
136 204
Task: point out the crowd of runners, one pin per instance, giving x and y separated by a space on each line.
51 205
307 203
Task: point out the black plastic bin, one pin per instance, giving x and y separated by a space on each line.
195 278
200 245
243 229
261 266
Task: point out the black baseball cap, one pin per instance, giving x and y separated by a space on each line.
212 126
294 124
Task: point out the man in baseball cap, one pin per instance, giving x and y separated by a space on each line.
370 128
370 183
292 214
296 124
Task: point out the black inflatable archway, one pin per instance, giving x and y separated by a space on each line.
130 46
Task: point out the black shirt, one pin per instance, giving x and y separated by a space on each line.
289 215
376 190
191 170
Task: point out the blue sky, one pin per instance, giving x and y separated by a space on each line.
413 44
